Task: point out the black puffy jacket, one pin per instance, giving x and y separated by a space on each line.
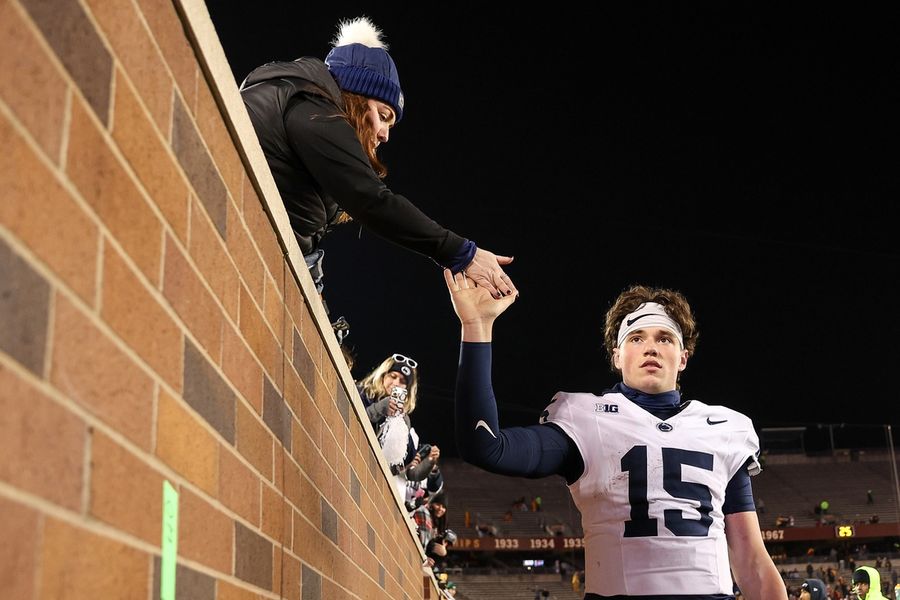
320 167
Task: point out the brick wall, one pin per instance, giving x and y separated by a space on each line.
153 328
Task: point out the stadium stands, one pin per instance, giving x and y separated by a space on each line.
488 497
794 484
478 587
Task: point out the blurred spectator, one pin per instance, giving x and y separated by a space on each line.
556 529
483 528
781 521
576 581
867 584
431 519
448 588
424 479
870 499
813 589
438 546
389 393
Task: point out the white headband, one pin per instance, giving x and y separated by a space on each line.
648 314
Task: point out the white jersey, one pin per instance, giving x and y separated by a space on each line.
652 491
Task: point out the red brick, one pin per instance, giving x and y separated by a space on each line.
311 419
205 534
272 513
77 564
246 258
207 393
209 254
260 338
77 45
304 448
38 100
19 528
184 444
239 487
326 406
281 454
330 378
253 557
218 139
330 451
312 337
241 368
294 391
330 589
166 27
90 369
254 441
319 472
104 184
25 298
138 318
348 573
227 591
262 231
293 300
318 551
71 251
134 49
292 482
125 491
149 156
273 307
191 300
194 158
290 576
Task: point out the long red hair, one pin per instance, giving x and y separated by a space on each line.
357 108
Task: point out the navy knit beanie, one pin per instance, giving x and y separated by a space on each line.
359 62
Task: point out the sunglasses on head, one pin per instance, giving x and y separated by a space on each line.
404 360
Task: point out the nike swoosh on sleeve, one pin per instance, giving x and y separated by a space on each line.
487 427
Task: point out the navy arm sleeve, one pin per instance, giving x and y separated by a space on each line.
739 493
533 451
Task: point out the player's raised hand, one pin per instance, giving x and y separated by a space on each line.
474 305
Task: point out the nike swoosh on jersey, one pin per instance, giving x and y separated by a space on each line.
711 422
481 423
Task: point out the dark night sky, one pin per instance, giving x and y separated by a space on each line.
746 156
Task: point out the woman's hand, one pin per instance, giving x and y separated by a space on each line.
485 269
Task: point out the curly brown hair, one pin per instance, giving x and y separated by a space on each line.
675 304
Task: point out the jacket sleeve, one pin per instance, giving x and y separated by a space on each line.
377 411
332 153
